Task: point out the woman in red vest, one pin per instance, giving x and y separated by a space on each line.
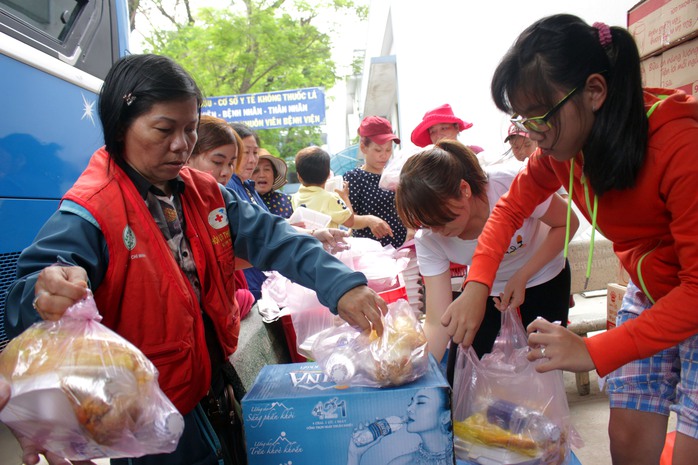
157 244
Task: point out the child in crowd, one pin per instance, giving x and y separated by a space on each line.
268 177
629 158
313 169
364 194
520 142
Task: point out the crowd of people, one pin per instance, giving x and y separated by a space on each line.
138 229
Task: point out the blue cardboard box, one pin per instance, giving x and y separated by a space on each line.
295 415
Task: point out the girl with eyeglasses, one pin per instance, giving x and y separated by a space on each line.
628 157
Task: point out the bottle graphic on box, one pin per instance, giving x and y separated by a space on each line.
377 429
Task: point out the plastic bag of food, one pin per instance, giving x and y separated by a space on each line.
353 358
81 391
390 177
505 412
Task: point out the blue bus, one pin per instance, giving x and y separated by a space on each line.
54 55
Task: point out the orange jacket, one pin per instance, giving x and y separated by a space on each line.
145 296
652 226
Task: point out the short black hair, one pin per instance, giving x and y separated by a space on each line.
313 165
132 86
245 131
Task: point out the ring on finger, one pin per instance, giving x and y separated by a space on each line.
542 351
35 302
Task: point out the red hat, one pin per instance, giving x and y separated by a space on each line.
378 130
442 114
514 130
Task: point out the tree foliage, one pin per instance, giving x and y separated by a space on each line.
252 46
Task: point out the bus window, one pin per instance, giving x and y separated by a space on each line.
54 18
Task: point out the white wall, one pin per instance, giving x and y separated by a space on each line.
447 51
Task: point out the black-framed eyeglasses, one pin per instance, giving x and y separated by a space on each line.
540 123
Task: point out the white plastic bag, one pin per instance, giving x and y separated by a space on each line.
505 412
390 178
359 359
81 391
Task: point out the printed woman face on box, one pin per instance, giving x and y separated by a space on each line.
428 410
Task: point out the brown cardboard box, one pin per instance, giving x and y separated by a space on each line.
680 67
652 71
660 24
614 299
675 68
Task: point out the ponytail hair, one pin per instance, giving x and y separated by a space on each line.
429 179
559 52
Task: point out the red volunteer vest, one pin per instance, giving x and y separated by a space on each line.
145 296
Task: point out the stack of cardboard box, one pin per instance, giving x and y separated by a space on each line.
666 33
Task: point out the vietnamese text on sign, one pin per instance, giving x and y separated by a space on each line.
270 110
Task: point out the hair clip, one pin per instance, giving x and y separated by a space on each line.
129 98
605 37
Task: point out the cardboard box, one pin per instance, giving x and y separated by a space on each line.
651 69
659 24
676 68
679 68
294 414
614 299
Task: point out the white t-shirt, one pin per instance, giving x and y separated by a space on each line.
435 252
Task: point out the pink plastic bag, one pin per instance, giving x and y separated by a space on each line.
359 359
81 391
505 412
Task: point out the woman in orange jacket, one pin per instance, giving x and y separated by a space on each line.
628 157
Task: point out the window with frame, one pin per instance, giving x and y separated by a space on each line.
53 18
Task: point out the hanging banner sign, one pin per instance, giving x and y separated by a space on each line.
270 110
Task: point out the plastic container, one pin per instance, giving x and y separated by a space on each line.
393 295
309 219
334 183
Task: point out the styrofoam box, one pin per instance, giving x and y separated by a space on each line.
294 414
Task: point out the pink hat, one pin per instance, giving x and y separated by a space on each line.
442 114
514 130
378 130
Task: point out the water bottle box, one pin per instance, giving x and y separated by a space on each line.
294 414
